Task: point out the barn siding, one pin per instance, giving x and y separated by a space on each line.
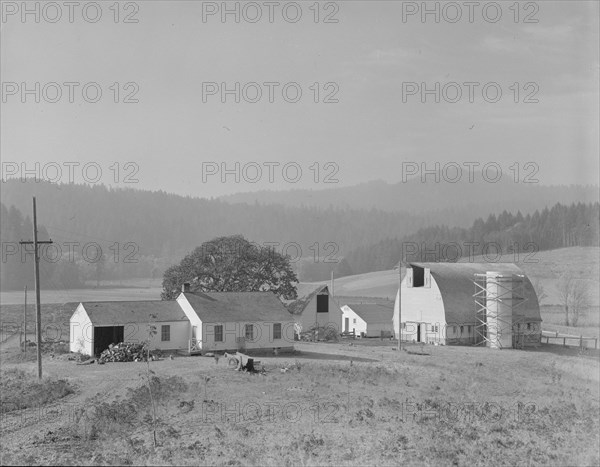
420 305
309 316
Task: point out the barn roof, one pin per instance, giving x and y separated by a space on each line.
455 281
117 313
373 313
226 307
306 293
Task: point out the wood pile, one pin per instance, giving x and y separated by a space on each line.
124 352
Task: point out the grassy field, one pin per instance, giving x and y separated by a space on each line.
335 404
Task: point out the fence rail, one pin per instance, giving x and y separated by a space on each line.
566 337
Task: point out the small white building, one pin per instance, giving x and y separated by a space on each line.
96 325
368 319
315 307
439 305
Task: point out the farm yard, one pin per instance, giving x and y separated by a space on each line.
325 404
351 402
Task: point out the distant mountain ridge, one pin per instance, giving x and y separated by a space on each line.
452 204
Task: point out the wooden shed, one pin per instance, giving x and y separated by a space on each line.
96 325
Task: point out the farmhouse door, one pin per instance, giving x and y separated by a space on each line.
419 332
346 324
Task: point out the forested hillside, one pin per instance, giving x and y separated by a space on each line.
442 202
102 233
508 234
141 233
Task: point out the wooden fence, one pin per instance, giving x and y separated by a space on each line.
568 339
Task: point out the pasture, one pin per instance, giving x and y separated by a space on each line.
326 404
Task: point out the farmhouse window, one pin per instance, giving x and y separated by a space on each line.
462 329
322 303
277 331
165 333
249 332
529 326
354 321
469 329
219 333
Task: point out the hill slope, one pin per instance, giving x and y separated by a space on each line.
583 262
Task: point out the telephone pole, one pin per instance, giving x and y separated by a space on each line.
38 307
400 305
25 323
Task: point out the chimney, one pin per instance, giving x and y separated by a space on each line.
185 288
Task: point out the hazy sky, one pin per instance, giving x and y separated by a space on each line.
368 57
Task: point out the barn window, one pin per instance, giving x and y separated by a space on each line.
277 331
219 333
418 276
322 303
249 332
165 333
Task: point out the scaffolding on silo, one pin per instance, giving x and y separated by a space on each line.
496 297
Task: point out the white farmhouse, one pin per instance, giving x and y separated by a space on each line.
194 323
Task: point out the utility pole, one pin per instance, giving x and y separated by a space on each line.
25 323
400 305
332 290
38 307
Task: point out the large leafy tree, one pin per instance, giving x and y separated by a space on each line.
232 264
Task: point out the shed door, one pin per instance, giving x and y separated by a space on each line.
106 335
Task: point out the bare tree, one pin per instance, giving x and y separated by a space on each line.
540 291
574 294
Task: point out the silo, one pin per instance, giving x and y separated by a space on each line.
499 310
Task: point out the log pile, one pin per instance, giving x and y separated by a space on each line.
124 352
